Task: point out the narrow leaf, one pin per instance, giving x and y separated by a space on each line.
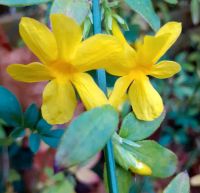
146 10
52 138
21 3
43 127
86 136
17 132
34 142
135 129
31 116
180 184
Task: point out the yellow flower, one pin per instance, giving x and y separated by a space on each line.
146 102
64 59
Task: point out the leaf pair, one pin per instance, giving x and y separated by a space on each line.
131 141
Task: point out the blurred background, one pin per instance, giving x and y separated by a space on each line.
21 171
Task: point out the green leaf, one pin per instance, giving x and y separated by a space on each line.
17 132
172 1
86 135
10 109
135 129
43 127
161 160
124 179
146 10
31 116
195 11
180 184
63 187
73 8
34 142
52 138
21 3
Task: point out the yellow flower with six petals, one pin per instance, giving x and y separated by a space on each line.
146 102
64 59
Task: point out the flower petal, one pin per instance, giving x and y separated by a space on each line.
152 49
165 69
119 91
68 35
33 72
90 94
117 32
172 28
98 51
145 100
59 102
121 69
39 39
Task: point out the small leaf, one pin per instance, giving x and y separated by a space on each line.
43 127
72 8
172 1
31 116
10 109
86 136
22 3
17 132
52 138
161 160
180 184
34 142
146 10
135 129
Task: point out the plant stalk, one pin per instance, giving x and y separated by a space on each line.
101 77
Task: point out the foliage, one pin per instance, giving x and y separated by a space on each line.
134 141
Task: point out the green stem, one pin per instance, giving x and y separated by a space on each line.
101 76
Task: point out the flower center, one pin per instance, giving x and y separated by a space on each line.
62 69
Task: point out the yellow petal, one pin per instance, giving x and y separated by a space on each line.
98 51
90 94
119 91
34 72
128 51
59 102
145 100
117 32
152 49
68 35
165 69
172 28
39 39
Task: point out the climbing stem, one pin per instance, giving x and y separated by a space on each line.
101 78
